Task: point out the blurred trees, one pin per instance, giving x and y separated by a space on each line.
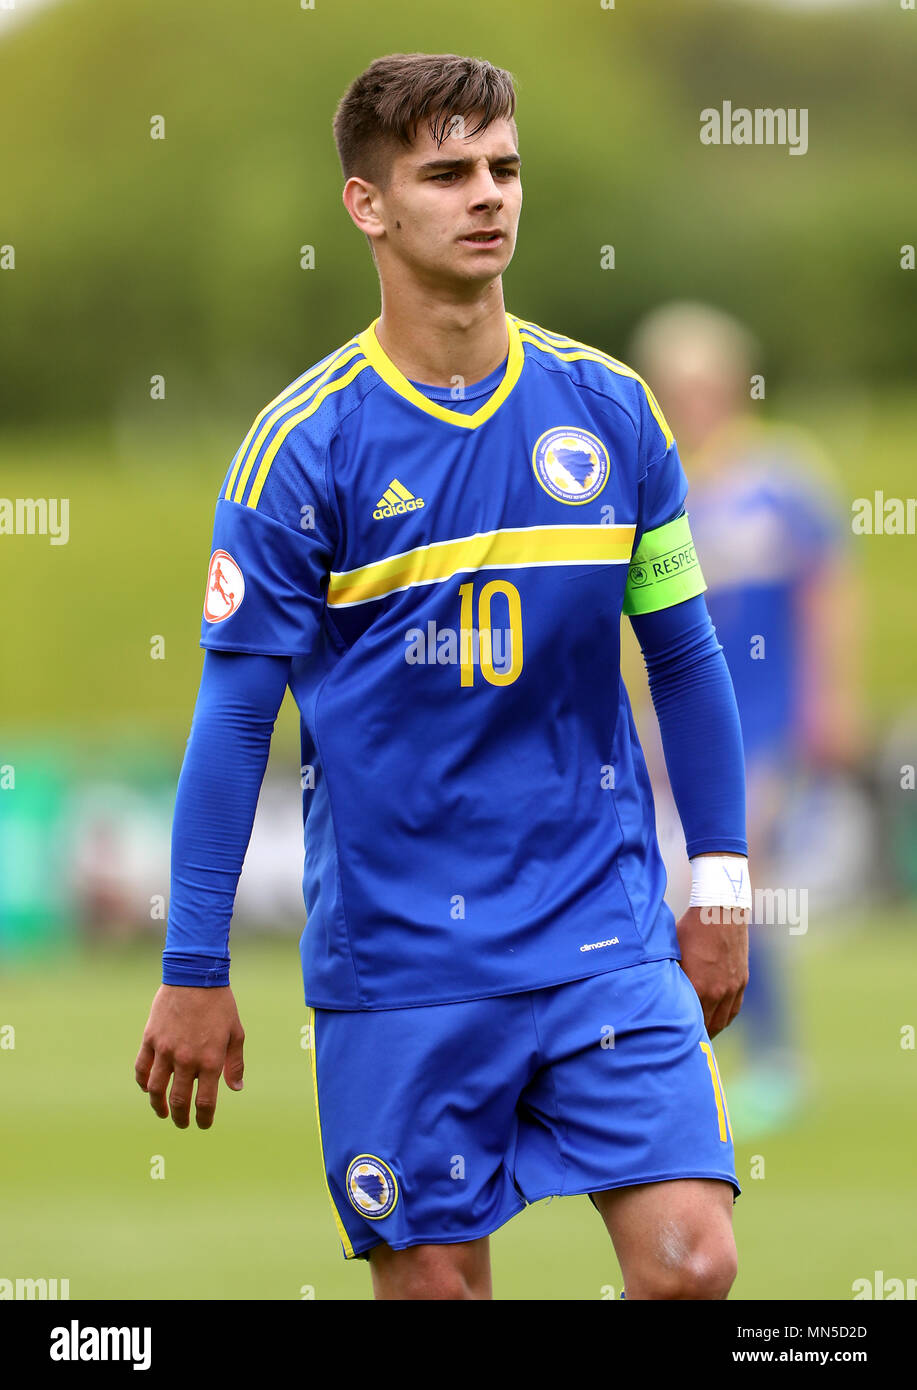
137 256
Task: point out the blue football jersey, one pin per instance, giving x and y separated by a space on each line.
449 580
765 523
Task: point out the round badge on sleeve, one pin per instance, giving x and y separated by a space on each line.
225 587
571 464
371 1186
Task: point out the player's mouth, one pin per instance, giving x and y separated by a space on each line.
483 239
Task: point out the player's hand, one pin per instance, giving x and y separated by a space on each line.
714 956
194 1034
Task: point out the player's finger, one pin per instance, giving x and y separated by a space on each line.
234 1066
205 1101
710 1004
156 1085
728 1010
737 1005
180 1094
719 1016
144 1063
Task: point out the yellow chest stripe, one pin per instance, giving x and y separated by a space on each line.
513 548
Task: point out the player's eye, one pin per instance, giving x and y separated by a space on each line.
450 174
513 173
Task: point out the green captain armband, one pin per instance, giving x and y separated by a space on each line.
664 569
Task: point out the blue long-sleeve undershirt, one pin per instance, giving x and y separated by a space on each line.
237 704
227 752
695 705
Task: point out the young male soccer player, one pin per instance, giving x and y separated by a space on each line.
431 536
772 535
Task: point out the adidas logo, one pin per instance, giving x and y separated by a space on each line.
395 500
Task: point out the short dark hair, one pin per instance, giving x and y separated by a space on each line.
384 106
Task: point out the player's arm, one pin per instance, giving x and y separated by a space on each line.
194 1031
275 533
831 606
695 705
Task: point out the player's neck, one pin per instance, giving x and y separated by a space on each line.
433 341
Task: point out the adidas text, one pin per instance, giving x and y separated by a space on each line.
388 510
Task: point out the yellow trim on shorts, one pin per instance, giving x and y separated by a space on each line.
345 1239
721 1114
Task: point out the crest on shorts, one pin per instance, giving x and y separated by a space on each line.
371 1186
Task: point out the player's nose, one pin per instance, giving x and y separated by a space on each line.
484 190
491 198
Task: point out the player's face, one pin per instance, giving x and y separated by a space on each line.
451 211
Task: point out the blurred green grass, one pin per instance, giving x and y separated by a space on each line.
242 1211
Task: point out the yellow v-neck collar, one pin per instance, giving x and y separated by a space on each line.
385 367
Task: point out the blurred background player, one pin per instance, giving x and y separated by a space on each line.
767 520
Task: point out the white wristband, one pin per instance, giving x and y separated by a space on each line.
720 880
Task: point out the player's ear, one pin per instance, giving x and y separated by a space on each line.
362 200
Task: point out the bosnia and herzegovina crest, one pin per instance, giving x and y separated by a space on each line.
371 1186
571 464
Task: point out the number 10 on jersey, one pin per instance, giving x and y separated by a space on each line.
479 641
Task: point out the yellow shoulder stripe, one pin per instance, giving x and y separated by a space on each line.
305 388
319 393
553 343
279 402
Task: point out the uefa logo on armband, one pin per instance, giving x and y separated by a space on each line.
371 1186
571 464
225 587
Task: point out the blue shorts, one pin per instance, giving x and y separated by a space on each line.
439 1123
